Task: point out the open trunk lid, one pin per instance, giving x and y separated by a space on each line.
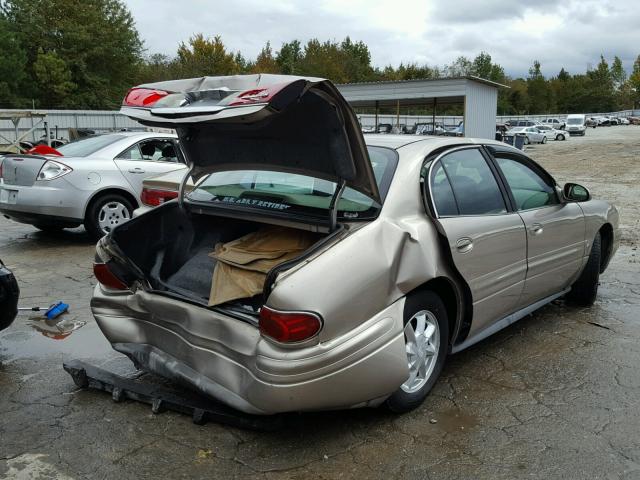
299 125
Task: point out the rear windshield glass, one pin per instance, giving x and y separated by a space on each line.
575 121
88 146
293 193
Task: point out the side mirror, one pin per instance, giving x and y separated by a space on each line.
576 193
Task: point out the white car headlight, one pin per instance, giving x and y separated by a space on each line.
52 170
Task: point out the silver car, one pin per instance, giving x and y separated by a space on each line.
96 182
317 268
531 134
553 133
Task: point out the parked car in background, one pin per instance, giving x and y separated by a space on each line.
522 123
478 237
9 295
555 123
161 189
576 124
531 134
553 133
384 128
96 181
623 121
457 131
368 129
591 122
428 129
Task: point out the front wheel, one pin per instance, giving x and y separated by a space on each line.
105 213
526 140
585 289
426 334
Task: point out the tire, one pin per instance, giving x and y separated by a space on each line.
425 308
544 140
526 140
585 289
560 137
105 213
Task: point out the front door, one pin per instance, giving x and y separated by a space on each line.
555 230
486 240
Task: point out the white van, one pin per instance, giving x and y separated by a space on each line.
576 124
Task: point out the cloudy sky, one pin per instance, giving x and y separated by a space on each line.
569 33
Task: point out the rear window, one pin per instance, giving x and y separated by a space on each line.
88 146
293 193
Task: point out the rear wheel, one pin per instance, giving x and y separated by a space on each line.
544 140
426 334
560 137
105 213
585 289
526 140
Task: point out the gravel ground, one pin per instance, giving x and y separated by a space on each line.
554 396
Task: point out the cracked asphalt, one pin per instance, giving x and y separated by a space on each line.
556 395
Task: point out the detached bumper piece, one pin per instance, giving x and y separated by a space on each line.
201 409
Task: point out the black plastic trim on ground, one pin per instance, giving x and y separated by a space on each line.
201 409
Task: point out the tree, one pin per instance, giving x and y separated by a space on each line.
53 79
204 56
95 40
266 63
12 67
289 56
634 81
618 75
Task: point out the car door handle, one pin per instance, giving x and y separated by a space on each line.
464 244
536 229
136 170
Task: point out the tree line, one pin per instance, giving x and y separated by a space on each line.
85 54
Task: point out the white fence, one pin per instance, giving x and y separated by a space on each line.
59 121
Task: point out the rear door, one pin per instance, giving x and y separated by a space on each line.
147 158
555 230
487 240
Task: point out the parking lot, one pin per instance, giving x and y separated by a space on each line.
556 395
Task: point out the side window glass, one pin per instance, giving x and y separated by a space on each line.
475 189
442 193
529 189
131 153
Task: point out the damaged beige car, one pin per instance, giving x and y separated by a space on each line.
309 269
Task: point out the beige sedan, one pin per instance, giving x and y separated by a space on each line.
315 268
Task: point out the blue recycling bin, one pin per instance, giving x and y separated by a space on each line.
519 142
508 139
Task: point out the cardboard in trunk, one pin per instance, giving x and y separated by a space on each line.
242 264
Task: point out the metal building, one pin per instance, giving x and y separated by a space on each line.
478 96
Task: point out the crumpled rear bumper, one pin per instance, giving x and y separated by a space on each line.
227 358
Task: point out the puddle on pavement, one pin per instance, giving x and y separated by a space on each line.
454 421
36 337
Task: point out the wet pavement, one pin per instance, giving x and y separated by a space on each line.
557 395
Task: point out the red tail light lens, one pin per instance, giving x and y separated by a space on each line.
107 278
143 97
152 197
257 95
289 327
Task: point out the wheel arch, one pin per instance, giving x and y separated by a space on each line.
108 191
606 246
457 303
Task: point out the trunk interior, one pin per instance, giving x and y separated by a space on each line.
171 247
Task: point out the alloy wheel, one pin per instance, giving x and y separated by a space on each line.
422 340
111 215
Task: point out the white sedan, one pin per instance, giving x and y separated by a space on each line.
96 182
531 134
554 133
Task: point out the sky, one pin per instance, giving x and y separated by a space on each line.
568 33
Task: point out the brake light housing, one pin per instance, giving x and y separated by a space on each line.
289 326
143 97
52 170
106 277
154 197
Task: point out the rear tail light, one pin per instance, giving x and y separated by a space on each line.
107 278
257 95
143 97
289 327
153 197
52 170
